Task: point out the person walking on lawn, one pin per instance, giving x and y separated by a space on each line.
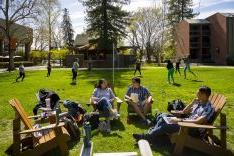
49 69
178 66
75 70
187 68
138 67
21 73
170 74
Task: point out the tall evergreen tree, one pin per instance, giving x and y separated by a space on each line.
106 21
68 32
179 10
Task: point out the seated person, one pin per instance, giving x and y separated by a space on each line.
199 112
102 99
139 98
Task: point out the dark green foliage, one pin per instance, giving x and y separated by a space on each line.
68 32
179 10
106 21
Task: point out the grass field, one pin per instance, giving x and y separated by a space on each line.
220 80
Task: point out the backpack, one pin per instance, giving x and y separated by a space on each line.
93 119
74 109
175 105
45 93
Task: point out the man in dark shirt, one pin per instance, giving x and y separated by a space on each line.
138 67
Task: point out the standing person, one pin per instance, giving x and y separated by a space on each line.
178 66
170 69
21 73
49 69
138 67
75 70
187 67
140 99
90 64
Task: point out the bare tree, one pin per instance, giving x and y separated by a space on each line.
147 31
46 25
14 11
40 36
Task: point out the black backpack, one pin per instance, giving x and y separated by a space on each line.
45 93
74 108
175 105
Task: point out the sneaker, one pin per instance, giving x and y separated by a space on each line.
147 122
138 137
115 115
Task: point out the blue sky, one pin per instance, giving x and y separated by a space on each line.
205 7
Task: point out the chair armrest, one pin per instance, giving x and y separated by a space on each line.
193 125
118 100
144 148
179 114
45 109
51 126
34 116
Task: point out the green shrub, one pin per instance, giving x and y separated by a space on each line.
59 54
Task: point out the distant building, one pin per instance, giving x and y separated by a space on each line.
206 40
21 40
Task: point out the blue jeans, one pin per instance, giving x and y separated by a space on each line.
104 105
162 128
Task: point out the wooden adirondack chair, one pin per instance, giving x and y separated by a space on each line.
131 111
56 136
210 144
117 99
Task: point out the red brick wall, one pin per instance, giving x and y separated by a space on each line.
182 39
218 38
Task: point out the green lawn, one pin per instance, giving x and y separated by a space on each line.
220 80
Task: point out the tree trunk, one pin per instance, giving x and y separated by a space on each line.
50 33
11 65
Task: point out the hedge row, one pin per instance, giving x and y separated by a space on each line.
17 64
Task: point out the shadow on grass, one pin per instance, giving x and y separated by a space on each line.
162 145
73 83
137 121
112 134
177 84
197 81
117 125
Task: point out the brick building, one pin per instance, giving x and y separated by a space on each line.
21 40
206 40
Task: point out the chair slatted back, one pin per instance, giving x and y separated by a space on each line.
218 101
16 105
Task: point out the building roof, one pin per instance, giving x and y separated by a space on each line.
227 14
81 39
21 33
197 21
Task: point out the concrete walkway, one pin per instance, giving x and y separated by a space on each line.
45 68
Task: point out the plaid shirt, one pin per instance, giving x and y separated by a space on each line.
143 93
204 110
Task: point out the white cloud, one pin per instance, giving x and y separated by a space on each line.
208 3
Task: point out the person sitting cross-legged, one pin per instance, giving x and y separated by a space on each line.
199 112
103 98
139 98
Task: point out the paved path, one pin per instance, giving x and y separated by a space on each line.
44 68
